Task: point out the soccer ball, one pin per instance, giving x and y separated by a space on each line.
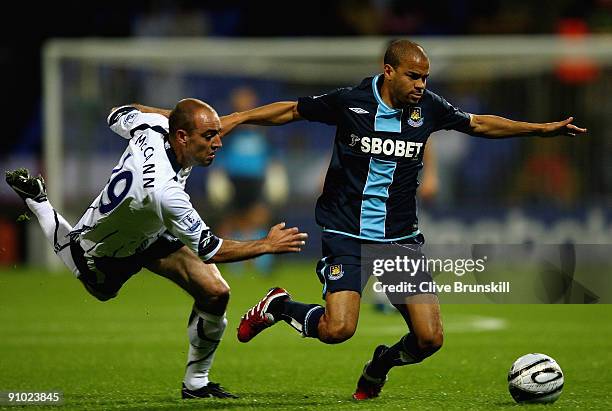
535 378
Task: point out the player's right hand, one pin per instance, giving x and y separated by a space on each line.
285 240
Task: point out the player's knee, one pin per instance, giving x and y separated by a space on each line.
430 342
208 292
219 293
337 333
222 292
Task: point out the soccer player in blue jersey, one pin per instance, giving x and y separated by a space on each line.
369 197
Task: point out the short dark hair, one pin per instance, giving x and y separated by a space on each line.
398 50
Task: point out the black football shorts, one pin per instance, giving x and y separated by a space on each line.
103 277
340 269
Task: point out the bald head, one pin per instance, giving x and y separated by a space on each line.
185 113
194 132
404 50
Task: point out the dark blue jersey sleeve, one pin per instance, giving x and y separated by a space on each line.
449 117
325 108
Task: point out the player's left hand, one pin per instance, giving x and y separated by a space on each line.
285 240
428 190
562 128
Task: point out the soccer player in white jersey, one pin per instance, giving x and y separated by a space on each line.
143 218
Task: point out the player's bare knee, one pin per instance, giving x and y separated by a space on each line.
430 342
219 291
214 298
206 288
337 333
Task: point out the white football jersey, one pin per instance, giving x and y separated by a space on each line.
144 196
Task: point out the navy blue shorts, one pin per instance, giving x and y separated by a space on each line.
103 277
340 267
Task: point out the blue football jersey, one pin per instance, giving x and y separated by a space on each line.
371 183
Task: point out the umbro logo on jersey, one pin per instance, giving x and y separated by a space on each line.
358 110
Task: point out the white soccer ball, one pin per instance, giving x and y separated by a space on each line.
535 378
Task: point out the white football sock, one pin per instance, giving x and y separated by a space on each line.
205 332
56 230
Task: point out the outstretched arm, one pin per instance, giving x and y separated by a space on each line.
183 221
148 109
279 240
499 127
274 114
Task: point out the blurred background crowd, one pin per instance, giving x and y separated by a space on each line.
264 175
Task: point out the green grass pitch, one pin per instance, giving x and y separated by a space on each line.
129 353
